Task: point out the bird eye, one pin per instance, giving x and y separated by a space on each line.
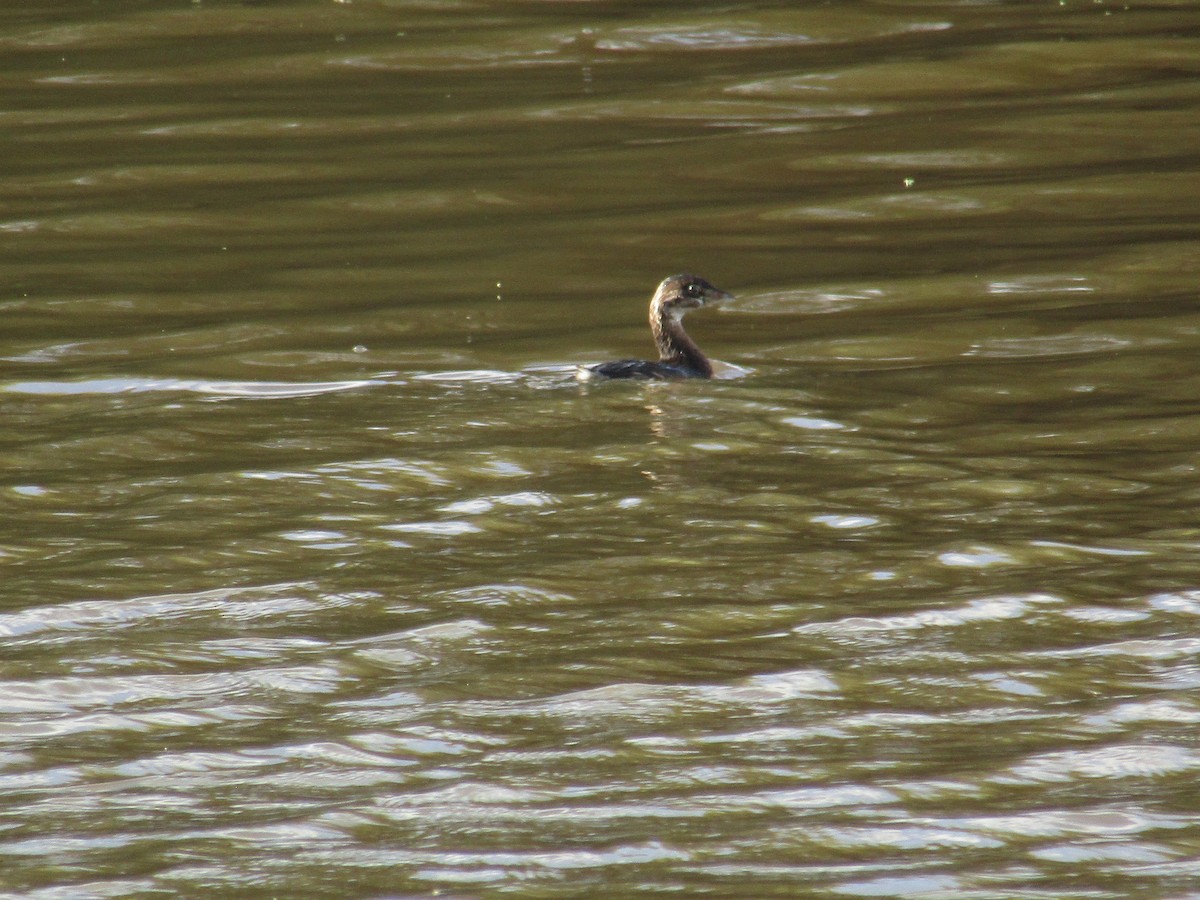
692 290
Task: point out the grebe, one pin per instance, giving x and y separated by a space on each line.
679 357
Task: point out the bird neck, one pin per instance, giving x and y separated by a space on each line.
674 346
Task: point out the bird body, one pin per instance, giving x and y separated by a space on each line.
679 357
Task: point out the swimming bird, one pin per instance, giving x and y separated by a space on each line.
678 355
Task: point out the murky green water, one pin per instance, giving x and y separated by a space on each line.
323 577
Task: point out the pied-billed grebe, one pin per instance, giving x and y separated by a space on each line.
679 357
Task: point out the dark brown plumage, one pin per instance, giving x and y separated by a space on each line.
679 357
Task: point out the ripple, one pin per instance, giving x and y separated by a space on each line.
812 423
808 301
977 558
264 390
1050 346
697 38
1128 761
929 885
845 522
438 529
1184 602
987 609
1043 284
102 692
86 615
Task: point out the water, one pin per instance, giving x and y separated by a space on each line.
323 577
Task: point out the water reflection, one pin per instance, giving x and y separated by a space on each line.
243 389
